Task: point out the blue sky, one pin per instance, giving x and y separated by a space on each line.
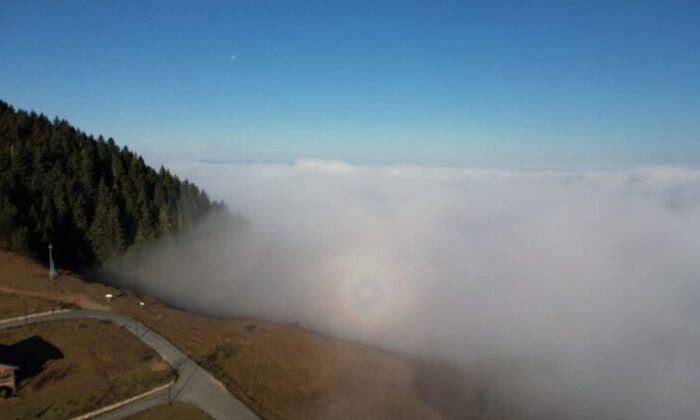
524 83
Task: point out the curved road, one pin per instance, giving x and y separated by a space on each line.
194 385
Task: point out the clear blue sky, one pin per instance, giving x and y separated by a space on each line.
518 82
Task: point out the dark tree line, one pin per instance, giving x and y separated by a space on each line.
87 196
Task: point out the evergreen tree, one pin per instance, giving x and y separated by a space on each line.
59 184
147 229
105 233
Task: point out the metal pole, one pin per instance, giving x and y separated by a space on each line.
52 267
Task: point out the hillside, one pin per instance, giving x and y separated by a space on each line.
73 367
86 195
279 371
92 199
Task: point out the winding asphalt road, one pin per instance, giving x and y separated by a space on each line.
194 384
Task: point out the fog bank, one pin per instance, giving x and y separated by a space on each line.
590 275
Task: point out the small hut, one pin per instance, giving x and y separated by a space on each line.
7 380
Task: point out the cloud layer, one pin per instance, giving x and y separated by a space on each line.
592 276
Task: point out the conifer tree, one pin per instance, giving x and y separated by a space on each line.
59 184
105 232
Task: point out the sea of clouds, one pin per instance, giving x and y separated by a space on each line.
591 276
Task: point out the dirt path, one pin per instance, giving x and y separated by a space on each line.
72 298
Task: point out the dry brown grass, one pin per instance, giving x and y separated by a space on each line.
22 276
17 305
280 371
284 371
101 364
176 411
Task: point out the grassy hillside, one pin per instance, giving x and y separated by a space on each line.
280 371
17 305
89 364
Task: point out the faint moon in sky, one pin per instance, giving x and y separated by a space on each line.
233 57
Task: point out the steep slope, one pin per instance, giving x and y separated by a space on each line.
86 195
279 371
